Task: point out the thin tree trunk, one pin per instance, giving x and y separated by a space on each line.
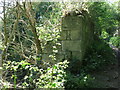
3 56
30 16
37 41
5 33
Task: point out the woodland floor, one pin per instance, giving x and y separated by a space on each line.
109 76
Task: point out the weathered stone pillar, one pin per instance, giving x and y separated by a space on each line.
76 36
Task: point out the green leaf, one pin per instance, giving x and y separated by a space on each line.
54 84
54 67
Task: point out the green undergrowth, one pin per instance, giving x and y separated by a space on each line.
80 80
25 75
99 55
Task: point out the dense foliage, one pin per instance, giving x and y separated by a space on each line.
30 76
30 27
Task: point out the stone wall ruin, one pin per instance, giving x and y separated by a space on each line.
76 36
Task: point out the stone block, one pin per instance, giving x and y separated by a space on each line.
64 27
71 23
75 35
71 45
77 55
68 55
65 35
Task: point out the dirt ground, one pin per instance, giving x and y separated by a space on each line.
109 76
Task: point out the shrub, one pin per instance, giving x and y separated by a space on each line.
54 77
82 80
98 56
115 41
27 75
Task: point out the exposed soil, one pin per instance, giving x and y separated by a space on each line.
109 76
